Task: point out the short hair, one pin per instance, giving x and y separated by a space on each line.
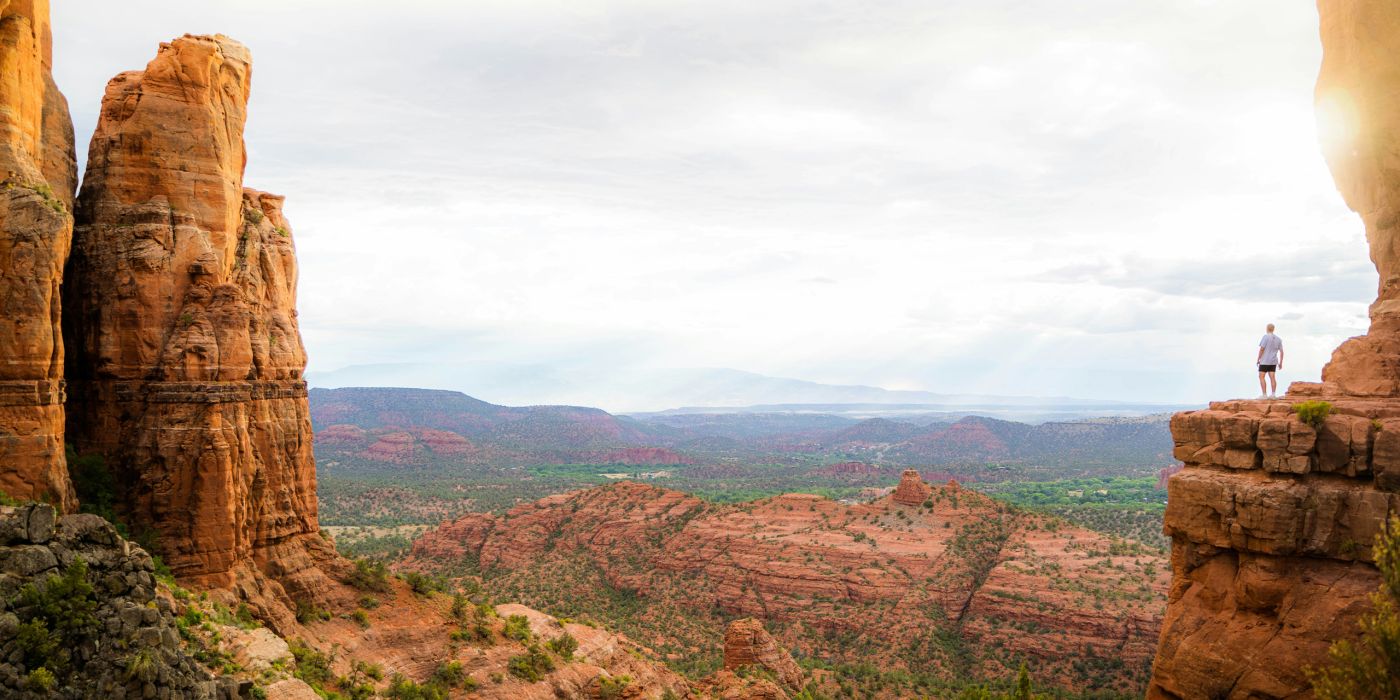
1271 328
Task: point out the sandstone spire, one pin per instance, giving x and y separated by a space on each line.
185 359
37 176
747 643
911 491
1272 517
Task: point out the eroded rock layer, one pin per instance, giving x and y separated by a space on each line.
37 177
1272 518
185 359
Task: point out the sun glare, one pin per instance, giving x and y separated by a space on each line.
1337 123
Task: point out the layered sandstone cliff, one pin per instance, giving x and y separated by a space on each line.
950 586
185 359
37 177
1272 518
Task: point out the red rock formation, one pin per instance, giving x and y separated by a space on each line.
1272 518
185 359
1358 98
912 491
885 573
37 178
747 643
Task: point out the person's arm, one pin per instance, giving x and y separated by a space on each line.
1260 356
1280 355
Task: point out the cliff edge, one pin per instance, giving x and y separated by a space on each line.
1273 516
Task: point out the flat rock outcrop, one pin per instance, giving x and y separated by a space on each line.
37 179
1272 518
185 359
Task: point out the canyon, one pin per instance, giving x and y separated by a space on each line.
150 322
939 581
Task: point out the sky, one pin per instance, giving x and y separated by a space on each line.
1090 198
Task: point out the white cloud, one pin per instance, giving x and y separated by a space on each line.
1089 197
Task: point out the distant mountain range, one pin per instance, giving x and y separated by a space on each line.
424 426
704 390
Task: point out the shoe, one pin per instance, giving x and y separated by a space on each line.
1263 397
1273 396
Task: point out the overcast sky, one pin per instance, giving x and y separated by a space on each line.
1095 198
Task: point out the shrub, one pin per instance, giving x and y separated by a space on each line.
307 613
313 667
40 679
612 687
423 584
56 618
369 575
401 688
530 666
361 618
518 628
564 645
1370 668
448 675
1312 412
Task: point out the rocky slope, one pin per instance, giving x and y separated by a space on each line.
37 179
185 360
955 584
1272 517
81 615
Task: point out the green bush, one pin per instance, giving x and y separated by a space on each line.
40 679
448 675
613 687
518 628
401 688
530 666
1312 412
1369 669
369 575
423 584
56 617
313 667
564 645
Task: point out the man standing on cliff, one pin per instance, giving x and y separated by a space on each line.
1270 359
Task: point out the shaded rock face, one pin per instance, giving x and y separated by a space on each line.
1272 519
185 359
747 643
37 176
131 641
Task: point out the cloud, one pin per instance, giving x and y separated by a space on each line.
1011 196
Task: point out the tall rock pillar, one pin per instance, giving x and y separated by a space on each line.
37 178
185 359
1272 517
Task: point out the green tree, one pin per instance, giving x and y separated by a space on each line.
1369 669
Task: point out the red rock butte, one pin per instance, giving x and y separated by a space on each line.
37 179
1272 518
185 358
912 491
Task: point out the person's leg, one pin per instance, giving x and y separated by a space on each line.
1273 384
1263 388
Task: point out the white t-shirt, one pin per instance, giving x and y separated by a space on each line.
1272 344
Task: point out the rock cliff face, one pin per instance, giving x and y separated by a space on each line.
747 643
949 588
1272 518
184 358
37 178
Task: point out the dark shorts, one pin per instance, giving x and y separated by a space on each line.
1267 368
